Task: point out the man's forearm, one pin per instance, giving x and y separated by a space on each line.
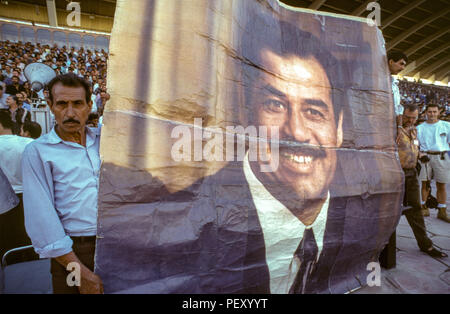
90 282
71 257
65 260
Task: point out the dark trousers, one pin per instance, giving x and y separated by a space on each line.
13 234
84 249
414 215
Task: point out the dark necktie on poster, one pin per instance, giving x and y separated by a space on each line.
307 253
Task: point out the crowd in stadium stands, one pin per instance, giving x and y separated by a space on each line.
423 95
15 56
92 66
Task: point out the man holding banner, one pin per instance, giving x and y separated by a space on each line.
61 189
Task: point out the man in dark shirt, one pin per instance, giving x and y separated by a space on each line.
16 72
15 87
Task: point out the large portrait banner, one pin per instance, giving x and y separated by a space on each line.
248 147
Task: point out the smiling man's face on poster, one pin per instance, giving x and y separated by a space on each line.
295 95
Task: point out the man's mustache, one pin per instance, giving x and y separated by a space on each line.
71 121
297 148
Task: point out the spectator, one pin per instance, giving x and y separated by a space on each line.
434 139
18 114
11 149
101 100
26 103
61 206
15 87
30 93
408 151
3 97
16 72
397 62
8 201
92 120
31 129
7 72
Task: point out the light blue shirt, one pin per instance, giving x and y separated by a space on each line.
60 182
396 92
8 199
3 104
26 106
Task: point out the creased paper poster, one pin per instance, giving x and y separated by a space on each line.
248 147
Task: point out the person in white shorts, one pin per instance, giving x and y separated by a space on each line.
434 139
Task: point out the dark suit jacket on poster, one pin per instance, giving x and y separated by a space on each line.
240 251
208 239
